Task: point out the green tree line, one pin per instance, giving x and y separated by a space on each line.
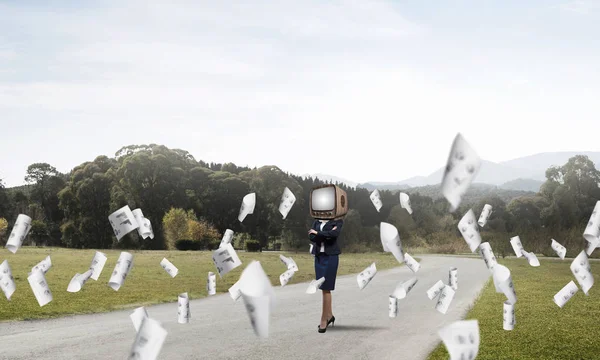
188 199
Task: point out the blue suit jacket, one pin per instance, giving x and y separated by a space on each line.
328 236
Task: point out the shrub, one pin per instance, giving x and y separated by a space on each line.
213 244
186 245
253 246
277 246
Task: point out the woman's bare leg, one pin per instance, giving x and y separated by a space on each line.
326 313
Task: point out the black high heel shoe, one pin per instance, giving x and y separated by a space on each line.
331 321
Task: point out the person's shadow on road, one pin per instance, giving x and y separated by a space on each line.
355 328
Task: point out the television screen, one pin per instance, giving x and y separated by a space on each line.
323 199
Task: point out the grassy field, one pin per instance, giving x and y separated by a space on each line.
542 330
147 283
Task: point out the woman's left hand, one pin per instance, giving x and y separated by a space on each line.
312 231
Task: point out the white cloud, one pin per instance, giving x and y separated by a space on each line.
583 7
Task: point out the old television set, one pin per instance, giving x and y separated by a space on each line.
328 202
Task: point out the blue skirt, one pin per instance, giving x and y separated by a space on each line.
326 266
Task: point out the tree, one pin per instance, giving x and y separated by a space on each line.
526 212
3 230
4 201
47 182
38 232
175 225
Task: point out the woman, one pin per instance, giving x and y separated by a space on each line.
324 234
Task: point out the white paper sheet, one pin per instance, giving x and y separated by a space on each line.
461 339
531 258
445 299
592 230
225 259
469 229
148 230
211 283
137 316
315 285
310 249
7 281
139 218
487 254
376 199
393 306
404 288
148 341
517 246
508 316
286 276
227 238
405 202
123 222
78 281
247 207
390 240
560 250
565 294
365 277
122 269
580 267
183 308
503 283
234 290
435 290
461 169
591 246
289 263
287 201
43 265
453 278
40 287
259 297
169 267
485 215
19 233
97 265
411 263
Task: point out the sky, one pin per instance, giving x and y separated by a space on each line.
363 90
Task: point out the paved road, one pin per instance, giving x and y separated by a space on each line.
220 329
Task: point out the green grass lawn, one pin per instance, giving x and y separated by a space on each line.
542 330
147 283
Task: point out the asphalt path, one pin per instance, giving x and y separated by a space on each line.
220 328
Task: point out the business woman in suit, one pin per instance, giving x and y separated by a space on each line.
324 234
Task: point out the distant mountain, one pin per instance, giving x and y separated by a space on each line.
333 179
522 184
383 186
476 192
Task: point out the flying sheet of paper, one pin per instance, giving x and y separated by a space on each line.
435 290
315 285
405 202
248 204
148 341
211 283
469 229
225 259
123 222
580 267
310 249
487 254
7 281
259 297
234 290
137 316
508 317
592 230
97 265
288 262
169 267
183 308
485 215
78 281
40 287
390 240
445 299
404 288
376 199
286 276
591 246
227 238
122 269
365 277
147 229
393 306
139 218
503 283
453 278
411 263
43 265
531 258
287 201
560 250
515 241
565 294
19 233
461 339
461 169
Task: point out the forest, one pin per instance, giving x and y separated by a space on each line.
191 203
